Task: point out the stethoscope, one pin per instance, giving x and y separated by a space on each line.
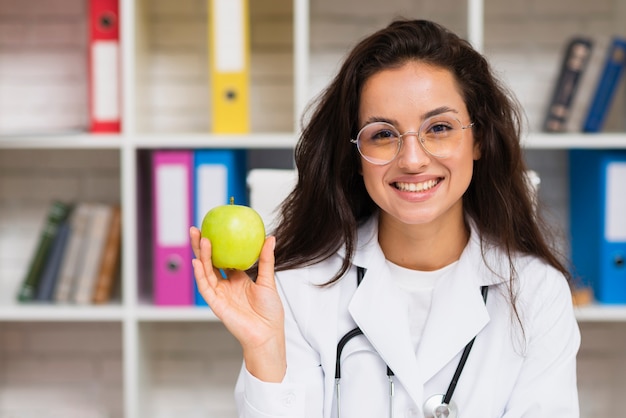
437 406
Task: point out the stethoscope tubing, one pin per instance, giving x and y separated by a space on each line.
447 398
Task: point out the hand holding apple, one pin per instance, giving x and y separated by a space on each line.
237 234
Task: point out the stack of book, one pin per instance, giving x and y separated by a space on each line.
589 75
77 256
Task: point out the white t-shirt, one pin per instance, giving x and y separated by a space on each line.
419 287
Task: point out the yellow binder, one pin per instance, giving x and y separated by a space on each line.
229 62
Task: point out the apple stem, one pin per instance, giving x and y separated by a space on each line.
232 200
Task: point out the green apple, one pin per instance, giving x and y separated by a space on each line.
237 234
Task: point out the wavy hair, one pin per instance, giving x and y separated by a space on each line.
329 201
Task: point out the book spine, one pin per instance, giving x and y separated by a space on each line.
607 84
94 243
574 63
110 259
56 215
73 256
50 273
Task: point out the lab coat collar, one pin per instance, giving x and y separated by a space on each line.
457 311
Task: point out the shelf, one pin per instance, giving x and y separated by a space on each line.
575 140
183 313
276 140
601 313
61 140
56 313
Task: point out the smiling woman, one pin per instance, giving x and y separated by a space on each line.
411 232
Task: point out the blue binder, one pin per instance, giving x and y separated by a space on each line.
219 174
598 222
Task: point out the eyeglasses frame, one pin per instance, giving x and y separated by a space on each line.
401 139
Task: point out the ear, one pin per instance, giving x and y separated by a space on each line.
476 153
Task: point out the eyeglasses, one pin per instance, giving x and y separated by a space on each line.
380 142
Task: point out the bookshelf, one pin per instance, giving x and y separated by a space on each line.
296 47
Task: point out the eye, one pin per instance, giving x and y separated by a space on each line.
379 133
439 129
383 134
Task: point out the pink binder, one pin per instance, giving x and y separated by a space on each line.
172 175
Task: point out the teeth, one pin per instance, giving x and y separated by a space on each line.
416 187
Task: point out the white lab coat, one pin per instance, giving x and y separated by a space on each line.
509 373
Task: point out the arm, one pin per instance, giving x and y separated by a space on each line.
546 386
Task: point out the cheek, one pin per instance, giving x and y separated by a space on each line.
476 150
372 176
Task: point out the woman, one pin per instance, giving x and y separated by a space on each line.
412 226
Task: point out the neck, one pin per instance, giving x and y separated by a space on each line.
424 247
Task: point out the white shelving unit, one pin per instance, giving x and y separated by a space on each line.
157 53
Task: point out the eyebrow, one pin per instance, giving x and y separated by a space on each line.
436 111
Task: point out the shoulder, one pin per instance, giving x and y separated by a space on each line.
542 286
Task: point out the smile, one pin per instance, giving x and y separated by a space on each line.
416 187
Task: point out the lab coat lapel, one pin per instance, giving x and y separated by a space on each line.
457 314
380 309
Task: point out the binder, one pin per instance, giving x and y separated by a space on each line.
229 58
610 76
218 175
598 222
104 67
172 209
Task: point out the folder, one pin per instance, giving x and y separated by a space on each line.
104 66
172 210
614 65
598 222
229 58
219 174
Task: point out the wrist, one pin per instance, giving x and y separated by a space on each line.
268 362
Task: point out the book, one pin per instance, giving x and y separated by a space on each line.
606 86
573 65
53 263
73 256
94 243
108 270
587 85
57 213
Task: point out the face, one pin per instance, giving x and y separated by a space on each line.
417 188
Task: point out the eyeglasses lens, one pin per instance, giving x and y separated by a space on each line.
380 142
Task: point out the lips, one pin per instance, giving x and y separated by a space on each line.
416 187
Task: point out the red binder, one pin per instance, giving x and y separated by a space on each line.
104 66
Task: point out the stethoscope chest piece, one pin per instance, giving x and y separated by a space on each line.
435 408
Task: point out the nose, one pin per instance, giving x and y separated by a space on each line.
412 153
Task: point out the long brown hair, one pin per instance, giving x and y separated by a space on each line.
329 201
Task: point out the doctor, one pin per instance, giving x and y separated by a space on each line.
409 275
